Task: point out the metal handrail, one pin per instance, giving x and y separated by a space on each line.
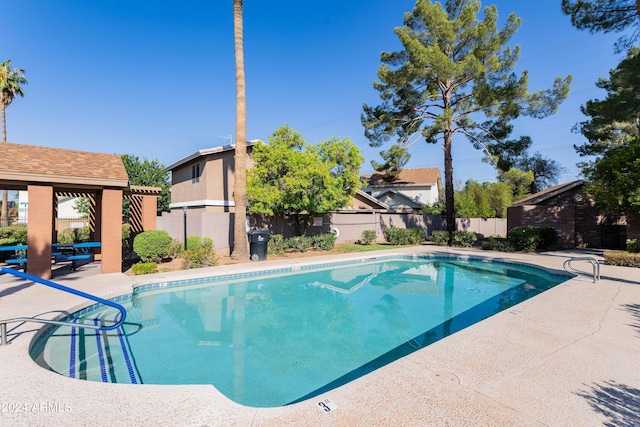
3 323
594 262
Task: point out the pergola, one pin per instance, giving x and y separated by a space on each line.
48 173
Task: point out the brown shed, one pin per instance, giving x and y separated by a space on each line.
577 219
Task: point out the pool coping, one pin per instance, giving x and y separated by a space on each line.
549 360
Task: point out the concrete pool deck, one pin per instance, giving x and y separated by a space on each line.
567 357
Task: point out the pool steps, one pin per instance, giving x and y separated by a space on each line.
102 327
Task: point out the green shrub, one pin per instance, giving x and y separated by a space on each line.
144 268
324 241
207 243
440 238
276 245
497 244
126 231
298 243
622 259
633 246
404 236
73 235
465 239
417 235
194 242
152 245
368 237
197 258
175 248
126 240
525 239
18 234
8 241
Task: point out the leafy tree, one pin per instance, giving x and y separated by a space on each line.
486 200
514 153
606 16
437 208
613 137
148 173
240 248
518 181
614 179
292 177
82 205
11 82
453 68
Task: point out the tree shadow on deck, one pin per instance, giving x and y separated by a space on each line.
620 403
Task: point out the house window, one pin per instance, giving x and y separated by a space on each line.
195 173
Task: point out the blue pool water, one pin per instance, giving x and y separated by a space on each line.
270 340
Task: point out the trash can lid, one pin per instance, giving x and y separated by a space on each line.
255 232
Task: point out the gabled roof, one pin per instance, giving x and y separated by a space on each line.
32 163
205 152
372 201
548 193
407 177
400 195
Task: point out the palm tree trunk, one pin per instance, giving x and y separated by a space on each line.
4 122
4 214
240 249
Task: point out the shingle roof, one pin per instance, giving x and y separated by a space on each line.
205 152
545 194
406 177
31 163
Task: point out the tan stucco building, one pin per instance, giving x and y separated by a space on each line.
203 181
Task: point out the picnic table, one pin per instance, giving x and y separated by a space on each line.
61 252
73 252
19 256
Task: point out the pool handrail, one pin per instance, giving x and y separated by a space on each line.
593 261
3 323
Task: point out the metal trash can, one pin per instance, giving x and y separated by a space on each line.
258 244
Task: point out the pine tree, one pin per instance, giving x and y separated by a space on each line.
453 68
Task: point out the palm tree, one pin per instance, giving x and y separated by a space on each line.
11 81
240 249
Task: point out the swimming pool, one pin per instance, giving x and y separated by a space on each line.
272 339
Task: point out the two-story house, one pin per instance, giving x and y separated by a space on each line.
203 181
412 189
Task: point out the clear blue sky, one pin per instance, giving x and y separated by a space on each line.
155 78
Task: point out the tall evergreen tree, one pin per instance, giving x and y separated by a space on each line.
506 154
453 68
11 82
240 245
613 137
606 16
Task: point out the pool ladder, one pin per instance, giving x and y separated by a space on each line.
3 323
594 262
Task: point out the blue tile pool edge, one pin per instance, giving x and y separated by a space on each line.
46 331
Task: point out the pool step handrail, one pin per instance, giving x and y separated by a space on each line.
22 275
593 261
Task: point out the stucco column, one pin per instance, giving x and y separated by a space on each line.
149 212
40 230
111 231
